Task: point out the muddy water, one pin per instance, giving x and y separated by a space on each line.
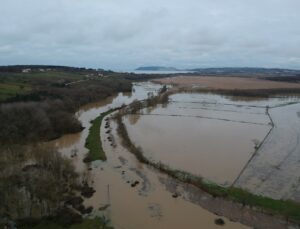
214 149
207 98
148 205
207 135
275 169
74 143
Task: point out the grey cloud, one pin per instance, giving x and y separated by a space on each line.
119 34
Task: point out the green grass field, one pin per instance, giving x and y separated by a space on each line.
13 84
8 90
93 142
54 74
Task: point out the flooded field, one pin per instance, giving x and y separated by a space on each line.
275 169
207 135
148 205
133 196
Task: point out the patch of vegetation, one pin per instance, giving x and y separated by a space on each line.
289 79
34 181
97 223
219 221
93 142
288 209
23 123
8 90
39 106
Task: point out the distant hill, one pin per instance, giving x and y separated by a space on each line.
21 68
246 70
156 68
242 71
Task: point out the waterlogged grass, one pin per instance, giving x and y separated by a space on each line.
288 209
96 223
93 142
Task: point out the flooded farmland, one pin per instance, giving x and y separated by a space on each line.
275 169
214 123
204 134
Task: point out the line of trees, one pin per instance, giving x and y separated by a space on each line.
35 180
29 122
50 112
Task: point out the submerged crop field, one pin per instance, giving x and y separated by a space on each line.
204 134
179 161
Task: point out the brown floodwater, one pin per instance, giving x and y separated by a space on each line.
150 203
209 98
213 149
207 135
74 143
275 169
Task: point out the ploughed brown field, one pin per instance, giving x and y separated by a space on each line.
226 83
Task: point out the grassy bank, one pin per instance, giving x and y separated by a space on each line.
288 209
8 90
93 142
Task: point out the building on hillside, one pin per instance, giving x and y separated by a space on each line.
26 70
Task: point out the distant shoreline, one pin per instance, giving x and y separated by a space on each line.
160 72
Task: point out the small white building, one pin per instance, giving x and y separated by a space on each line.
26 70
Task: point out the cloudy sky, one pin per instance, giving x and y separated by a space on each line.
125 34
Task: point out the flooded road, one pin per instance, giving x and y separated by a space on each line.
133 196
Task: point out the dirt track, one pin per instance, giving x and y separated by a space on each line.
226 83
